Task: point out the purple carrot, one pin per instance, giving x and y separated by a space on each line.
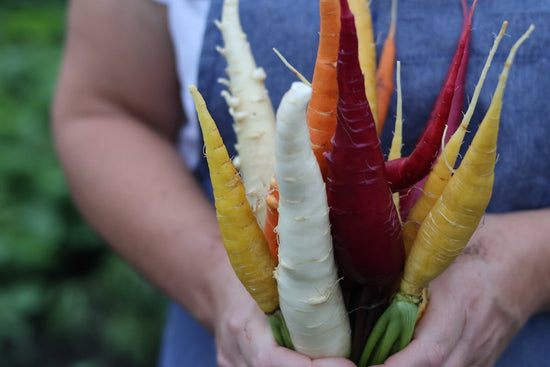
364 221
405 172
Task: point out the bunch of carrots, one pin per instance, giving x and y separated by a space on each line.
312 217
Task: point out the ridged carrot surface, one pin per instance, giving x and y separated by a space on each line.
365 224
442 170
456 214
321 111
367 50
446 230
251 109
242 236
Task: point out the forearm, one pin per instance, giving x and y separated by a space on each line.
133 188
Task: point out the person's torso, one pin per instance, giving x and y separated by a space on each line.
426 38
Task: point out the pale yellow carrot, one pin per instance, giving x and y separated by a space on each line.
397 141
367 50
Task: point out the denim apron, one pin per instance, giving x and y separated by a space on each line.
425 51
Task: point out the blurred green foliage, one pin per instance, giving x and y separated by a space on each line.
65 299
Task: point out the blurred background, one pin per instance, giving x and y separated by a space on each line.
65 299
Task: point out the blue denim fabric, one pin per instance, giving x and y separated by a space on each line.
186 343
427 32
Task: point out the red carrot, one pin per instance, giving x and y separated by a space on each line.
365 225
410 196
455 114
404 172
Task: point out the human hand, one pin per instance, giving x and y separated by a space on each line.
478 304
243 338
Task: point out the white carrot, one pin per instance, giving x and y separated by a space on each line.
251 109
310 296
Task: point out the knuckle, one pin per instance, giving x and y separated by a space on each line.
235 325
222 360
435 355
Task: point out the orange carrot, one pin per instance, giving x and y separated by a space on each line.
384 74
272 219
321 112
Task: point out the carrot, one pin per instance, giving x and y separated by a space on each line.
367 50
242 237
442 170
409 197
310 296
445 231
365 226
250 106
272 219
406 171
397 141
384 73
321 111
455 113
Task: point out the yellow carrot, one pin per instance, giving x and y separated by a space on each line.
367 50
397 141
442 170
456 215
445 231
242 236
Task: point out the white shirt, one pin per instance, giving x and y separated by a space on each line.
187 23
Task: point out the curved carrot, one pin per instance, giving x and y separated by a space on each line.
442 170
321 111
457 103
384 74
406 171
411 196
242 236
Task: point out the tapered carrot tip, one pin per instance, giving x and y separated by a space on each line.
241 234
